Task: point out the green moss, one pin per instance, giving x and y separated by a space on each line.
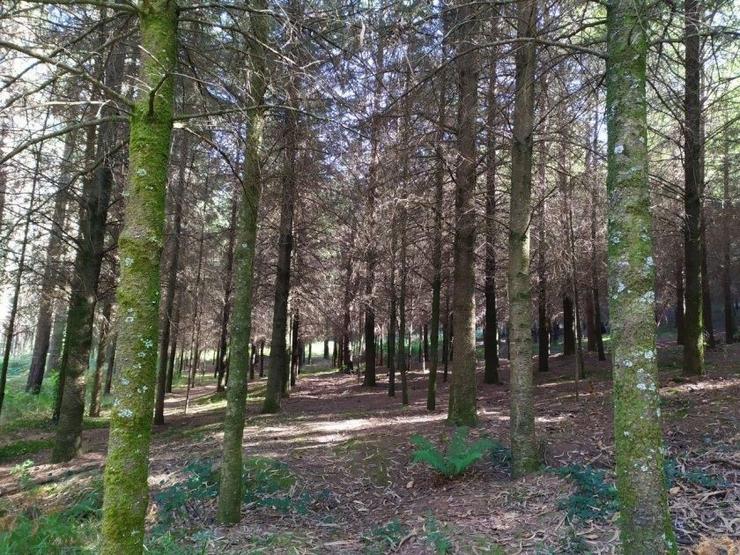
23 447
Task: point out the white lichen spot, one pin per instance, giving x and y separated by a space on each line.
129 319
626 434
619 149
124 381
649 262
148 343
128 261
141 354
125 413
621 287
141 172
644 468
657 413
642 387
649 354
648 297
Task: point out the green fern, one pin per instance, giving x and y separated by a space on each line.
460 454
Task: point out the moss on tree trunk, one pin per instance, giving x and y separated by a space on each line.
126 491
230 489
645 524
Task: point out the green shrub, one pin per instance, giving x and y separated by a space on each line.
696 477
594 499
460 454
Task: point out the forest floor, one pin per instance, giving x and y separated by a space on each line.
332 473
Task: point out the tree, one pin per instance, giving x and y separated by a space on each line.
645 525
230 488
524 451
126 494
463 405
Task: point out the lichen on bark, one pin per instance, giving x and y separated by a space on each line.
645 525
126 491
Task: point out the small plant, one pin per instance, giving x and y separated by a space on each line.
594 499
23 447
500 454
435 536
460 454
696 477
386 537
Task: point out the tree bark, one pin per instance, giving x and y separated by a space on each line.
727 210
223 343
463 402
693 352
126 494
231 485
645 524
524 451
165 325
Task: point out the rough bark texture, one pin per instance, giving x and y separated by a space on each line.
730 324
490 337
569 335
223 342
693 352
680 293
140 245
525 457
463 402
103 338
230 489
543 321
645 525
81 315
277 377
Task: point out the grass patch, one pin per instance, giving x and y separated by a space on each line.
436 537
23 447
385 538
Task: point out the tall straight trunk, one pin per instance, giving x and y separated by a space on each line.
262 358
680 295
569 335
52 271
165 325
175 336
295 349
326 350
392 312
590 325
372 184
231 485
126 491
403 362
490 338
279 361
463 402
730 324
439 175
706 296
197 312
543 327
645 524
226 312
525 457
18 281
595 273
693 351
96 193
103 337
110 359
346 352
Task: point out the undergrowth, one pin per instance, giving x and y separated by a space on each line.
594 499
385 538
459 455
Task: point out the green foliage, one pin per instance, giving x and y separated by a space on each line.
73 529
594 499
500 454
460 454
696 477
386 537
23 447
21 471
436 537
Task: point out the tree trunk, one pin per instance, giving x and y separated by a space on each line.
52 271
543 321
680 320
175 335
645 524
392 313
525 456
730 325
706 297
110 360
693 352
279 361
463 402
569 336
140 246
88 260
231 485
165 325
56 342
223 343
103 337
490 338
